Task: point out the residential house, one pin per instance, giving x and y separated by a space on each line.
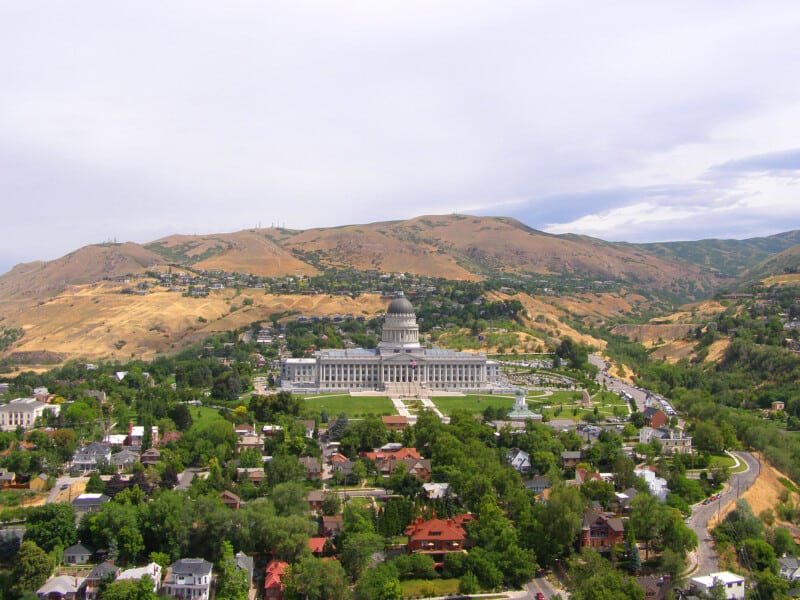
519 459
250 442
254 474
777 406
345 467
672 441
571 458
153 571
86 503
657 485
315 498
435 491
62 587
310 426
418 467
273 586
188 578
124 460
39 483
77 554
331 525
150 457
7 478
230 500
102 572
395 422
437 537
601 531
734 585
537 484
91 457
623 500
317 545
245 563
790 568
23 412
654 417
271 431
655 587
312 466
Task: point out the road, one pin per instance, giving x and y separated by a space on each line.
707 558
66 489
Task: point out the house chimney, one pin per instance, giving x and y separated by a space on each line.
154 436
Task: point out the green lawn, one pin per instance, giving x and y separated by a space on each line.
473 403
203 415
421 588
353 406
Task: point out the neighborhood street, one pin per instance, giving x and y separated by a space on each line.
707 559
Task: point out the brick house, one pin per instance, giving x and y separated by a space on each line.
437 537
601 531
654 417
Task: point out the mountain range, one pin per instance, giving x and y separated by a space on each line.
57 302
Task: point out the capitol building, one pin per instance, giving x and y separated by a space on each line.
399 366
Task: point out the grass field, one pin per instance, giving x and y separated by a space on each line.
421 588
472 403
352 406
203 415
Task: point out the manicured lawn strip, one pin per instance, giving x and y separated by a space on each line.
722 461
203 415
473 403
423 588
353 406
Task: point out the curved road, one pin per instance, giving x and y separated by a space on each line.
707 558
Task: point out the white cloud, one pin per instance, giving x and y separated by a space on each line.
199 116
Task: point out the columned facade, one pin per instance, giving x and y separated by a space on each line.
399 363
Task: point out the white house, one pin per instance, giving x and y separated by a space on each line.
188 578
790 567
657 485
519 459
734 584
153 570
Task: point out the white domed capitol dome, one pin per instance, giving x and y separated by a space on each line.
399 366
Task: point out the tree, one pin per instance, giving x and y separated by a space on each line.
331 505
289 499
593 578
357 550
232 582
634 558
95 485
32 567
51 526
645 518
130 590
380 583
312 578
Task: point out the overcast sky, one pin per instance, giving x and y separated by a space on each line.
634 121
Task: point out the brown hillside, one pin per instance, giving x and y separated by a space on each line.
86 265
251 251
96 321
449 246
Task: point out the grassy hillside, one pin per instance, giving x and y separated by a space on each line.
730 259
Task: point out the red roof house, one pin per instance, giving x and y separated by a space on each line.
273 587
437 536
